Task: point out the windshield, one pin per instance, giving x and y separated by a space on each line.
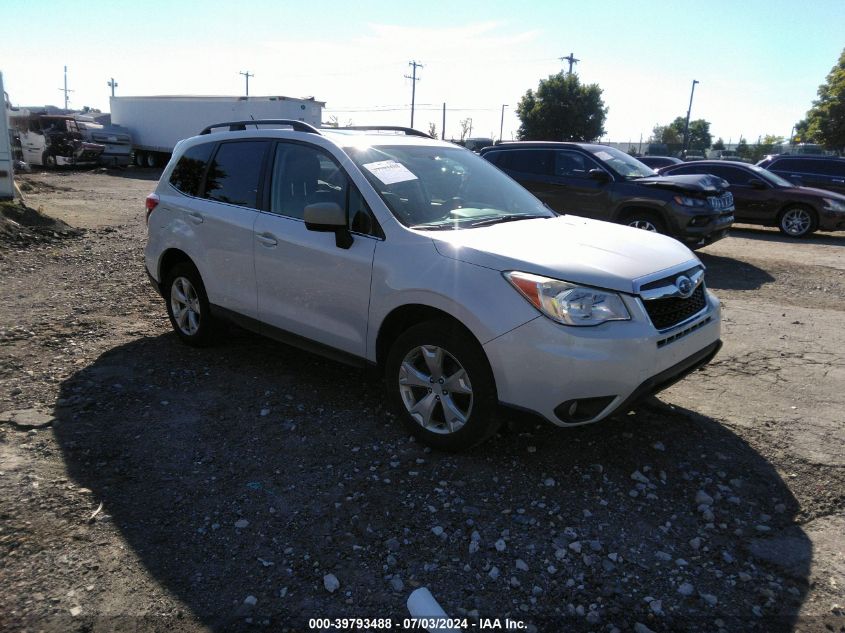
623 164
770 177
443 188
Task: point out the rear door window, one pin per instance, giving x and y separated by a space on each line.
189 172
235 173
527 161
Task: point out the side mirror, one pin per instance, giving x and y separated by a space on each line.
599 174
328 217
757 183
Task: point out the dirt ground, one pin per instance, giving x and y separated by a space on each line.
146 486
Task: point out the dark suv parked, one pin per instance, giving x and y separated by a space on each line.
823 172
601 182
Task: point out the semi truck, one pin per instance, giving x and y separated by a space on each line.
157 123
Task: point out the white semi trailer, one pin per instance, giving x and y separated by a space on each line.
156 124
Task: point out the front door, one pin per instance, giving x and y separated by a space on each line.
307 285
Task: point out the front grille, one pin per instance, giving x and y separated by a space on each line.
664 313
720 203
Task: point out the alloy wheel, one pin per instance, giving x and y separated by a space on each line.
796 222
185 304
435 389
645 225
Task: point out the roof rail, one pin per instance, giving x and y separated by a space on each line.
409 131
237 126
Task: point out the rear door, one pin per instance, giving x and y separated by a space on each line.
218 218
307 285
533 169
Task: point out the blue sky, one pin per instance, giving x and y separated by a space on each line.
759 62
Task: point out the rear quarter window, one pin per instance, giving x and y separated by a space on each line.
190 170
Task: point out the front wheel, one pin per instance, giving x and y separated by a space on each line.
187 305
49 161
645 221
439 379
797 221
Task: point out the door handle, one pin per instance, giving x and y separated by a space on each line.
195 217
268 239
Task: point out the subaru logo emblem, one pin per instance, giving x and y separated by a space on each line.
685 286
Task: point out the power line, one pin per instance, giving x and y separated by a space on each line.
66 89
571 59
414 81
247 75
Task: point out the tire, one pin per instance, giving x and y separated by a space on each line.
140 159
151 160
645 220
48 161
187 305
435 363
797 221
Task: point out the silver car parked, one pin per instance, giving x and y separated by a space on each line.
386 247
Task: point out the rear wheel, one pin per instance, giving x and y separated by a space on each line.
797 221
152 159
140 159
187 305
645 220
440 381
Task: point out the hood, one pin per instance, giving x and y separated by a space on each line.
698 183
570 248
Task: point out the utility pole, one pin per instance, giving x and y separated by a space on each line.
443 126
571 59
247 75
112 84
65 89
502 122
689 111
414 81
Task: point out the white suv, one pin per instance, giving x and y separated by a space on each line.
382 246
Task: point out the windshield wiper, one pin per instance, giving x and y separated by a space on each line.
513 217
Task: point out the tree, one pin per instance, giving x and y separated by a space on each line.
432 130
561 109
466 126
632 151
665 134
699 132
826 119
742 148
719 144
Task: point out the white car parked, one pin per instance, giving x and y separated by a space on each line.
383 246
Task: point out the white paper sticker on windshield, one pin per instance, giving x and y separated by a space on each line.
390 172
604 155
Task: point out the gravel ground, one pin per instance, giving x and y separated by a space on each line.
147 486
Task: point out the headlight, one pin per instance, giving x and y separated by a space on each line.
835 205
684 201
567 303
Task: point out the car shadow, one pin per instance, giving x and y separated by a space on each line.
727 273
251 469
134 172
773 235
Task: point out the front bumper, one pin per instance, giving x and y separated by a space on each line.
542 366
702 229
831 220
